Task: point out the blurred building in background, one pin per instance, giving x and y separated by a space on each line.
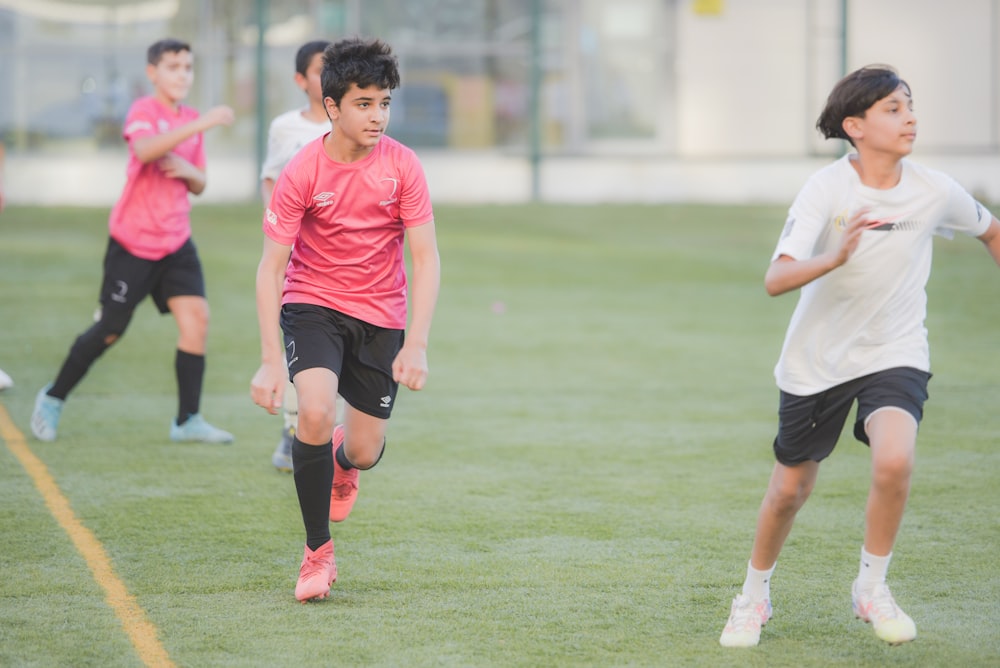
512 100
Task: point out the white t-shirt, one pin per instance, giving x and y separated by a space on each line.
288 133
868 314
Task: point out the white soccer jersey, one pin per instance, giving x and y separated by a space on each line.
868 314
288 133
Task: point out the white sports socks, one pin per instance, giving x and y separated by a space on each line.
757 586
872 570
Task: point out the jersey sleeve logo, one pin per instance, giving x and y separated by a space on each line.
271 217
324 199
135 126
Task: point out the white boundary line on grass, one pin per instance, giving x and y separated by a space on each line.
141 632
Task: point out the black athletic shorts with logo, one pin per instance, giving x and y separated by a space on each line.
809 427
361 354
129 279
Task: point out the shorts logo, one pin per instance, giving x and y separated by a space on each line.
121 289
323 199
271 217
386 400
291 356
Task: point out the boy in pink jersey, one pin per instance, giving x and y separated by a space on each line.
150 251
287 134
332 277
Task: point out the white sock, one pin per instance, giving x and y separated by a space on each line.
757 586
291 419
872 570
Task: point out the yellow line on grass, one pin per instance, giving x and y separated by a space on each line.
140 631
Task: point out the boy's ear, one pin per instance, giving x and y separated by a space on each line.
150 72
852 127
300 81
332 110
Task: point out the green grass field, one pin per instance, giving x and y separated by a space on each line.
577 485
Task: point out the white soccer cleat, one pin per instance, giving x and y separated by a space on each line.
5 380
880 610
746 619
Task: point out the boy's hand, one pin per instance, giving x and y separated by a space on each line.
176 167
852 235
410 367
267 387
221 115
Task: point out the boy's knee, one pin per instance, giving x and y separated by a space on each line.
366 457
314 420
895 467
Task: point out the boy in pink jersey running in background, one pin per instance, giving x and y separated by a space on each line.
150 251
332 278
288 133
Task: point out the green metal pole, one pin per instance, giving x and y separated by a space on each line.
843 38
535 148
261 12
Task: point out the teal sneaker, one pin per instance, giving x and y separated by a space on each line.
196 429
45 417
282 457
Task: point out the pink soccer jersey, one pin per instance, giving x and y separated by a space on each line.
346 223
151 218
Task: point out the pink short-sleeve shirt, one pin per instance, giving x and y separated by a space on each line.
151 219
346 223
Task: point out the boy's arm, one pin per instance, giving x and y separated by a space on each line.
786 273
177 167
267 387
266 188
991 239
153 147
410 366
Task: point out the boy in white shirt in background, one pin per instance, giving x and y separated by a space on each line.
288 133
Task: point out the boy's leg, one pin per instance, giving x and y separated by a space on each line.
892 434
110 324
358 445
192 315
312 458
787 491
281 459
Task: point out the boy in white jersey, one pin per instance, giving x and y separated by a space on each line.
288 133
150 251
858 243
332 276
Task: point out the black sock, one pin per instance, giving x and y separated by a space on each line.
82 354
312 467
190 371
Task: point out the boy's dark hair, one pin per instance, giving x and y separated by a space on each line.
360 62
306 52
156 51
854 95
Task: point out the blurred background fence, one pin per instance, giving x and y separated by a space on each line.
513 100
